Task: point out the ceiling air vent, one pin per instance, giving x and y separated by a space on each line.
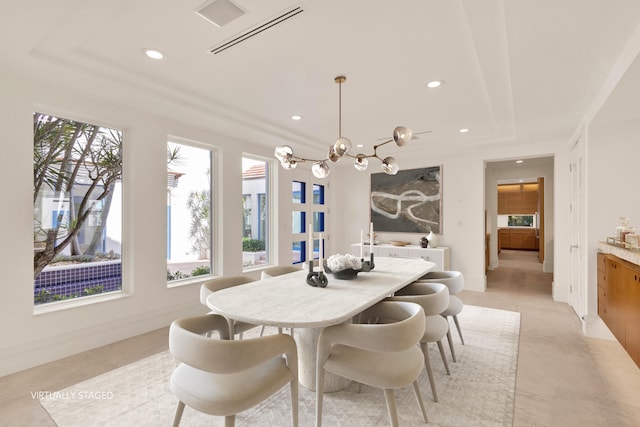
257 29
220 12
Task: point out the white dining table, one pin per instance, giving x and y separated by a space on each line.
287 301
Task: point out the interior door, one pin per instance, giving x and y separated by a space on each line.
577 285
540 220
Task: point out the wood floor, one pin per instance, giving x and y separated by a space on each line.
563 379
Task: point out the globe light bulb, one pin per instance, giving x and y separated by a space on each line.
390 166
283 151
402 135
361 162
288 163
342 146
320 169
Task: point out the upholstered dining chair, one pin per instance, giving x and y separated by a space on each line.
223 377
454 280
434 298
214 285
382 353
278 270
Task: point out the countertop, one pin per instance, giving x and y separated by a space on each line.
633 256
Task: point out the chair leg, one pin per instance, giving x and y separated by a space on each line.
178 416
453 350
427 364
416 390
229 421
455 319
262 330
294 402
390 397
444 358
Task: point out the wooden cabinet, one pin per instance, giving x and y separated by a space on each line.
517 198
619 301
439 256
517 238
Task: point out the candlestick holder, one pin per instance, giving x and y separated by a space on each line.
317 279
368 265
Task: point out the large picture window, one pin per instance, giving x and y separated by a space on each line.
77 197
189 219
255 212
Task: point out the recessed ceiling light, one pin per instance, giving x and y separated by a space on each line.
519 161
296 117
359 145
153 53
434 84
464 130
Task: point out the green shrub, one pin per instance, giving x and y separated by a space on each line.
200 270
252 245
176 276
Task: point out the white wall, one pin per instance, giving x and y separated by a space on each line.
613 155
29 339
463 181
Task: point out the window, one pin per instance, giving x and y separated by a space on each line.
189 219
77 227
246 215
256 186
299 192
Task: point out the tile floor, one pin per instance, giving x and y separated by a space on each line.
564 379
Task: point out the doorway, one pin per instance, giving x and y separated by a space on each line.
530 251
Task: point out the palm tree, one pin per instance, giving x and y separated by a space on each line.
72 161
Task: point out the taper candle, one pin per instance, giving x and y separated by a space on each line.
371 236
361 243
310 246
321 252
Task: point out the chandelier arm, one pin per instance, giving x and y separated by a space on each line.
375 147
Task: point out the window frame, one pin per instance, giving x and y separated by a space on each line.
271 201
214 184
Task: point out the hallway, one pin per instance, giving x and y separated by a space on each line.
564 378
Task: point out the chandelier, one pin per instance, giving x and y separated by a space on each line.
342 148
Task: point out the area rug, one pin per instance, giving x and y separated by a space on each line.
479 392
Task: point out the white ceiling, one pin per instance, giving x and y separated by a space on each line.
517 71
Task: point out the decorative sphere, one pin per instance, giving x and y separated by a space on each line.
320 169
402 135
390 166
342 146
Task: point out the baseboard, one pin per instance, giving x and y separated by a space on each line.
594 327
559 293
56 347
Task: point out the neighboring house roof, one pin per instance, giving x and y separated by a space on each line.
255 171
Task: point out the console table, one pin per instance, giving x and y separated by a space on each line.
439 256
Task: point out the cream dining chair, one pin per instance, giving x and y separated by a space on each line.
454 280
214 285
382 353
223 377
434 298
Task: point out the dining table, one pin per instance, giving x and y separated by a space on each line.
287 301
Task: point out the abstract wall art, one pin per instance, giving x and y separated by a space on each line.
409 202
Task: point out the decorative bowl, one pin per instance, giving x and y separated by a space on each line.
398 243
346 274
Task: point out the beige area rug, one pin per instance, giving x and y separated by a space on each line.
479 391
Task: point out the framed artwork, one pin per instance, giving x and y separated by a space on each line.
409 202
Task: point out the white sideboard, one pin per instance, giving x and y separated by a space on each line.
439 256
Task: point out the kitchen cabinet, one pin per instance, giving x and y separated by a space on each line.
517 199
439 256
517 238
619 301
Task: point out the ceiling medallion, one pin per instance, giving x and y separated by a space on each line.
342 147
